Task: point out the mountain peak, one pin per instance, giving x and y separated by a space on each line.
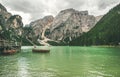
68 10
2 8
72 11
48 17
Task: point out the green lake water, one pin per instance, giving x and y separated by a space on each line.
63 62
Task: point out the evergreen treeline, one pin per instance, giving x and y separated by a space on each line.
105 32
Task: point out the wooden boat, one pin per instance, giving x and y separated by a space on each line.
41 50
12 51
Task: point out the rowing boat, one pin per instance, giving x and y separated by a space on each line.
40 50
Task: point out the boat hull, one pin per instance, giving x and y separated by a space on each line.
7 52
40 50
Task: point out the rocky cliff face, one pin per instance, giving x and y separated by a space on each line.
11 25
39 26
4 12
15 23
4 15
98 18
70 23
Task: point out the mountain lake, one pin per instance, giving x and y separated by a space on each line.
62 61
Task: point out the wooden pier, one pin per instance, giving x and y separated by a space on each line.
9 45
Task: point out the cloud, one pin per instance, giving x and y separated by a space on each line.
35 9
107 3
26 17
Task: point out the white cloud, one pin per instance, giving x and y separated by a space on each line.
26 17
35 9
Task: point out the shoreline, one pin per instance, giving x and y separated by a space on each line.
105 46
76 46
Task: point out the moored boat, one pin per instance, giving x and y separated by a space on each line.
12 51
41 50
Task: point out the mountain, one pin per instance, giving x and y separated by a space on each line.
98 17
105 32
62 28
35 31
10 25
39 26
59 30
69 24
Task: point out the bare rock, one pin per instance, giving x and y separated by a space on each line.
70 24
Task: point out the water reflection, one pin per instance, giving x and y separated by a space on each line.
23 67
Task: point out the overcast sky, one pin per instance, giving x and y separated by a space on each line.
35 9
